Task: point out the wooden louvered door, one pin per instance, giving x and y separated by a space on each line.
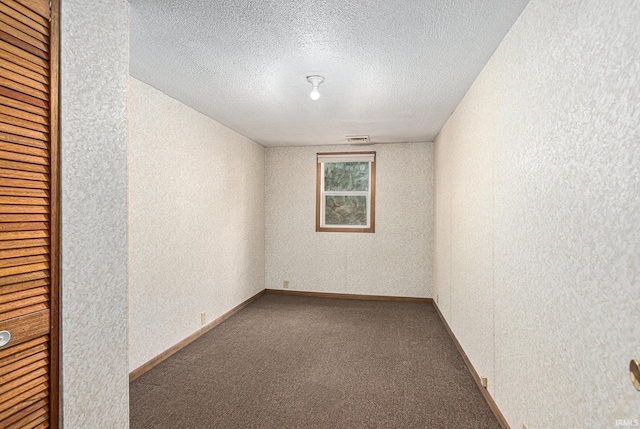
28 214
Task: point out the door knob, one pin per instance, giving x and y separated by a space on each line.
634 372
5 337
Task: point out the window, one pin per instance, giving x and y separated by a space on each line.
345 192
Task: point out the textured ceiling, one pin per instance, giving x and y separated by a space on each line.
394 70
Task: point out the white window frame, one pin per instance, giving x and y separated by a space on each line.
369 195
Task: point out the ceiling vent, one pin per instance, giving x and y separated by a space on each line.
357 139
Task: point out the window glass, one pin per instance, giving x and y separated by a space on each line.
345 192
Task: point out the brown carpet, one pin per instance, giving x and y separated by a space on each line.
298 362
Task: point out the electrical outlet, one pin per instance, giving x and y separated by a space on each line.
483 381
203 318
437 299
285 284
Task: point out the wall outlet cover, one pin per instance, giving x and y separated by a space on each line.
483 381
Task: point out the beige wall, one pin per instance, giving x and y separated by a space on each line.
393 261
196 220
94 66
537 213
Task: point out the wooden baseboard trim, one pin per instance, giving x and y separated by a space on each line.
171 350
485 393
348 296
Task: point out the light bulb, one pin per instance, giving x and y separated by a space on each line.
315 80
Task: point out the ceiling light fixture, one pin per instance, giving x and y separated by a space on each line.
315 81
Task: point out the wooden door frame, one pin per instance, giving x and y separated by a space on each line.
54 153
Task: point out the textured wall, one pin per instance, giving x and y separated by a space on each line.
537 214
393 261
442 229
196 220
94 72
